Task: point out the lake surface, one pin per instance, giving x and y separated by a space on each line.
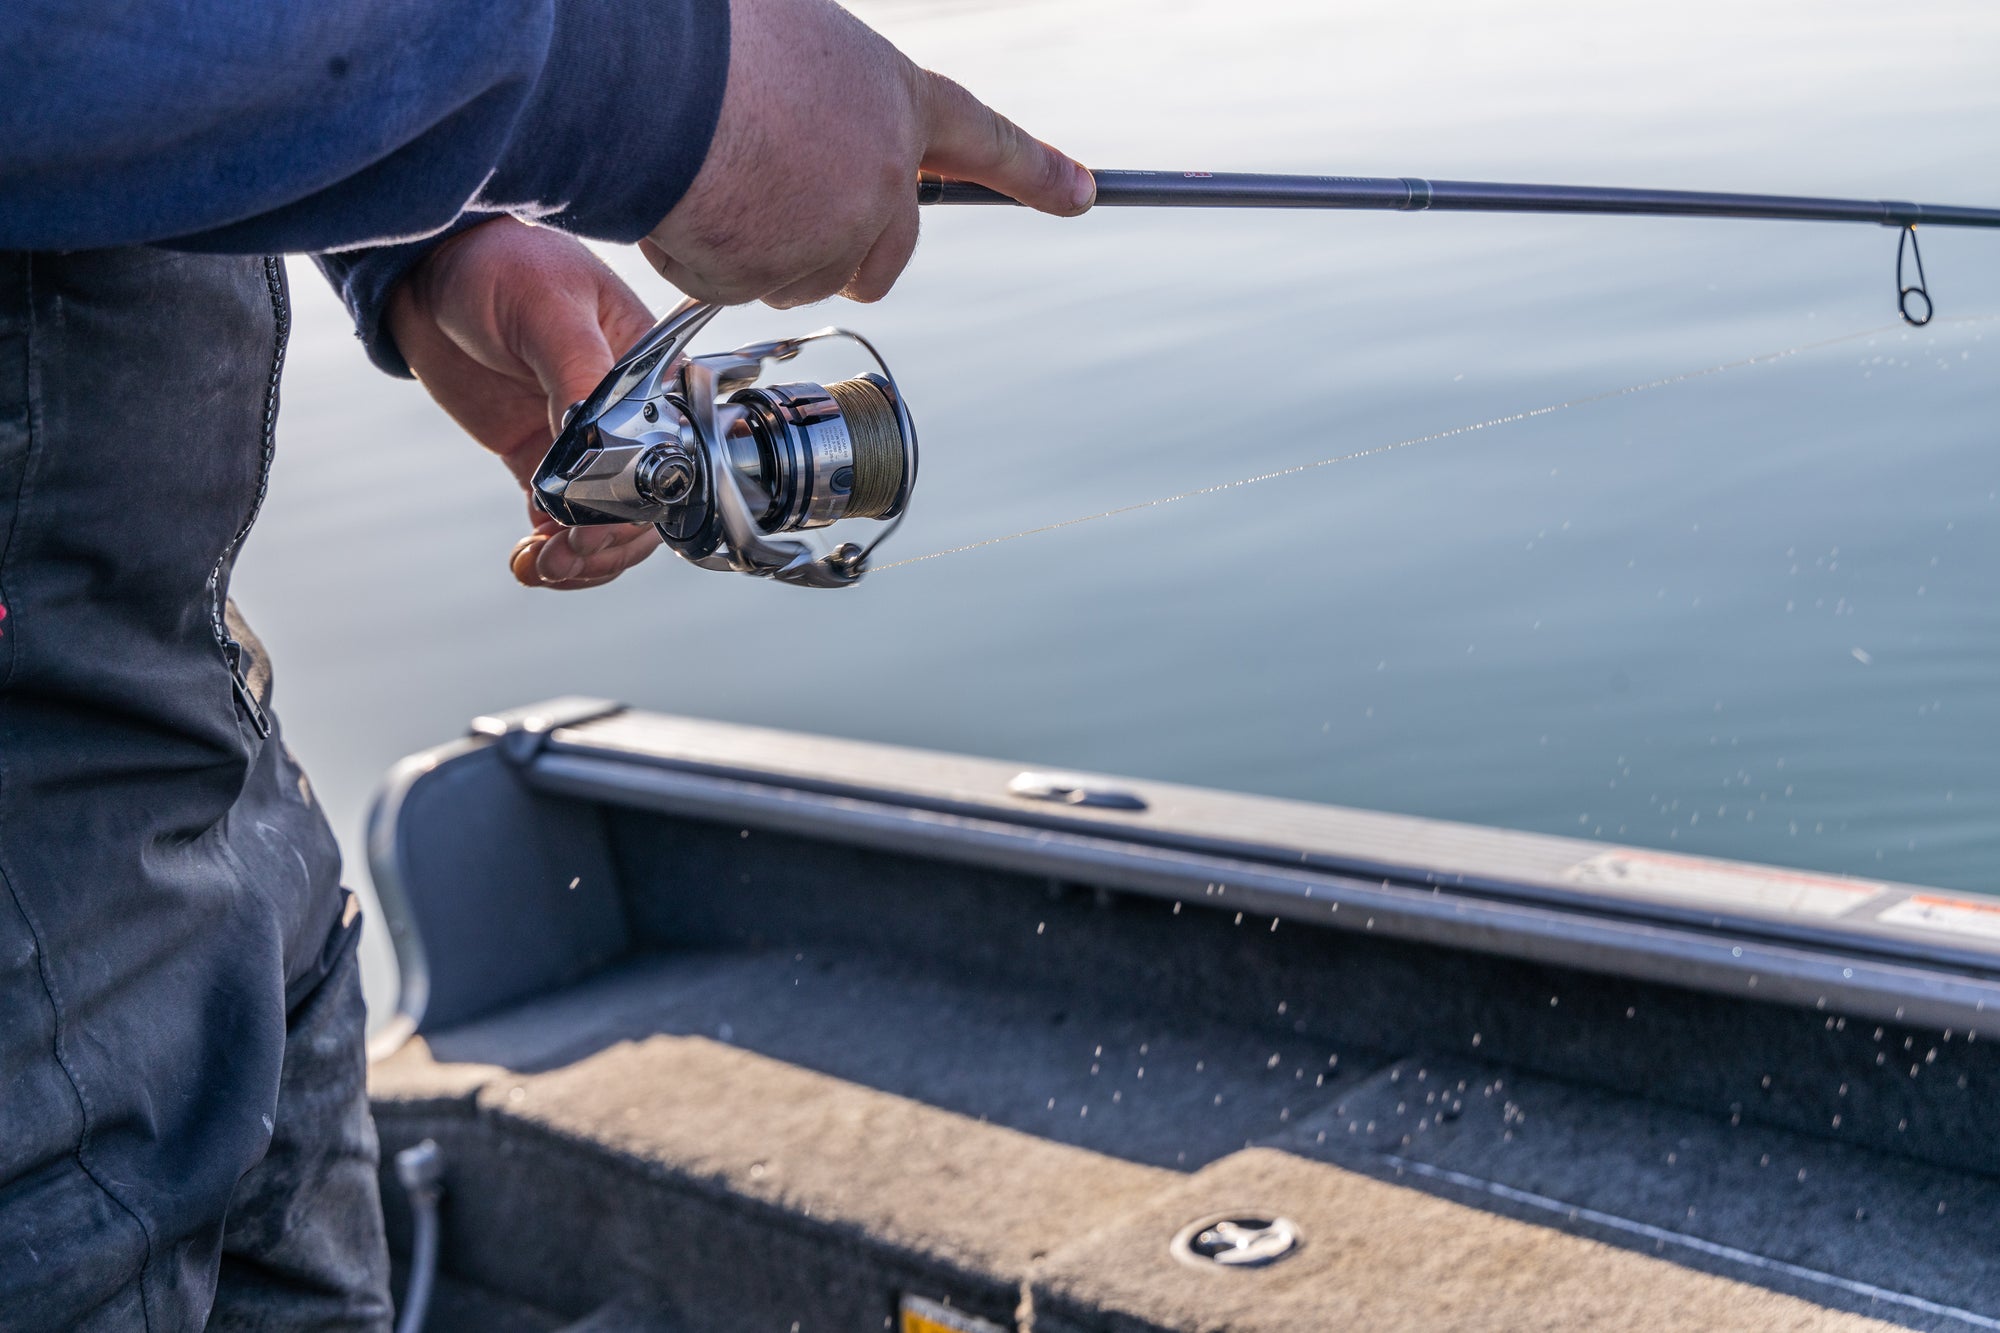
1754 612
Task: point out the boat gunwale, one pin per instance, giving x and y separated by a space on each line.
1846 964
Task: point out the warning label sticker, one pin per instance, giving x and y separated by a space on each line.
1953 916
928 1316
1722 883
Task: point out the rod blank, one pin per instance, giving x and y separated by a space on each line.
1200 189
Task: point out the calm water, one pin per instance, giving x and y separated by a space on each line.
1754 613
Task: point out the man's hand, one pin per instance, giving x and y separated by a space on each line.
808 189
507 325
809 186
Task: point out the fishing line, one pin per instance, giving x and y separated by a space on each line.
1765 358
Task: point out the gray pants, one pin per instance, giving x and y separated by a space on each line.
184 1132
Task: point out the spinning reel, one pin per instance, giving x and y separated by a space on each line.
727 468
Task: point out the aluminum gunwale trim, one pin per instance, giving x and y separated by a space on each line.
1724 960
1849 933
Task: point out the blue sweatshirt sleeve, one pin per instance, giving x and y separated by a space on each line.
365 277
261 126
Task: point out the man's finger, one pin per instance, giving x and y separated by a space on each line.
570 345
736 289
814 287
581 557
624 318
887 258
568 354
970 141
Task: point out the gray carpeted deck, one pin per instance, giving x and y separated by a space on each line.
791 1138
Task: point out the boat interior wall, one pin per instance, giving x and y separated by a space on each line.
547 908
1768 1063
714 1069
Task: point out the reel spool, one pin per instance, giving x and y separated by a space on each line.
727 469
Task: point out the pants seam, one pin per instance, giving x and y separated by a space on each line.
281 320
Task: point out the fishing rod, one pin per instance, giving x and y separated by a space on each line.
1413 194
733 471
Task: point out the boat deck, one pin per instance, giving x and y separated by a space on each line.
758 1079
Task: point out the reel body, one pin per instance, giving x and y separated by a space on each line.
729 469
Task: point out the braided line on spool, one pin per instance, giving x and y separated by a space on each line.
877 442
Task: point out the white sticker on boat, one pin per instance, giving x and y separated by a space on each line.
1723 883
1955 916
